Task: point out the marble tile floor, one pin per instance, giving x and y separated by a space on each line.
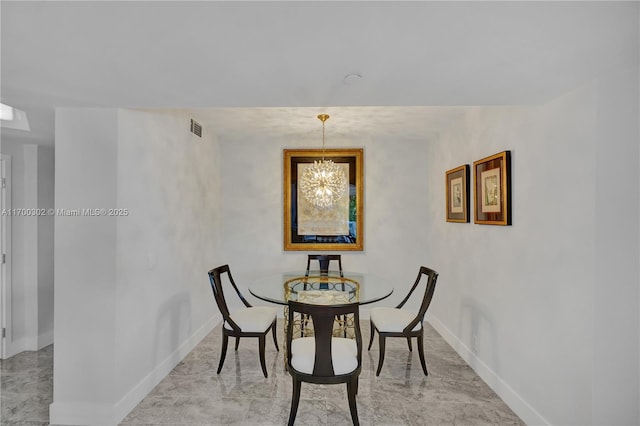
26 388
193 394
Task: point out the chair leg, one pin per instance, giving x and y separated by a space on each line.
373 330
237 342
223 352
409 343
352 390
295 400
261 345
421 352
275 337
381 360
344 319
303 324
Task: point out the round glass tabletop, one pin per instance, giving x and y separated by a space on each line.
321 288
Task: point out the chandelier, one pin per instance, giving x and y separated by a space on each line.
323 184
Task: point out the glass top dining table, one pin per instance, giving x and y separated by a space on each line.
321 287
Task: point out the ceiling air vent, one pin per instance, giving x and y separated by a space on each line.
196 128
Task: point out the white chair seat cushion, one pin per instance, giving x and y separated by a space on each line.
392 320
344 354
256 319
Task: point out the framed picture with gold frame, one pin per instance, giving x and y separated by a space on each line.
492 189
337 227
457 182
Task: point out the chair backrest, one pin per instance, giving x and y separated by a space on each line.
322 317
427 296
324 260
215 278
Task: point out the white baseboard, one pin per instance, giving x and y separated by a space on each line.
111 415
79 413
22 344
14 347
142 389
519 406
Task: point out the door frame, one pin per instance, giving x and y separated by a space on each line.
6 339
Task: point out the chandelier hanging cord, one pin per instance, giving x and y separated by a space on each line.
323 118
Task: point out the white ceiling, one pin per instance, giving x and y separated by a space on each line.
271 66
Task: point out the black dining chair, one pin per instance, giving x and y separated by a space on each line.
322 358
399 322
250 321
324 260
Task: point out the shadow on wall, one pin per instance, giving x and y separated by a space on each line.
172 328
481 334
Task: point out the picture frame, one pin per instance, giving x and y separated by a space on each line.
310 229
457 194
492 189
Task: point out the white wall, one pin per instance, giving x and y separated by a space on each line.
518 291
556 336
616 293
132 294
84 369
169 180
